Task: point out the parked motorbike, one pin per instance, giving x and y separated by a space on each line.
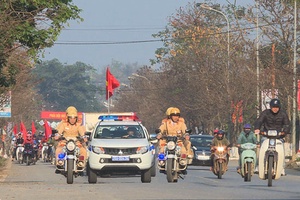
248 160
220 160
172 162
271 156
19 153
28 155
69 160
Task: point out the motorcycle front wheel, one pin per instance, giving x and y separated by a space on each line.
220 166
270 167
170 174
70 167
27 160
248 170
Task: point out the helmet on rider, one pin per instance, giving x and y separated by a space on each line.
220 135
216 131
168 111
275 103
71 113
174 112
247 129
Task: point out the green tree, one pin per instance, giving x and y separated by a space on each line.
65 85
32 25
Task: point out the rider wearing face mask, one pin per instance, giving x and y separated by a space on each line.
246 136
70 128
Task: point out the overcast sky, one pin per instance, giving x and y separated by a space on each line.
121 23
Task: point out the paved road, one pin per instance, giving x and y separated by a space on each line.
40 182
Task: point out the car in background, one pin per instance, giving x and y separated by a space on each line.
201 147
113 152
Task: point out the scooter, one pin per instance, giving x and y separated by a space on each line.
19 153
248 160
271 157
220 161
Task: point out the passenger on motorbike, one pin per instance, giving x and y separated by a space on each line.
70 128
246 136
219 140
174 126
273 119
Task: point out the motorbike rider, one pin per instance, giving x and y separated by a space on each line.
273 119
71 128
246 136
19 140
219 140
28 142
174 126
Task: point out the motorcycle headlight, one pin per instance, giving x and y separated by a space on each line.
141 150
71 146
171 145
220 148
272 142
98 150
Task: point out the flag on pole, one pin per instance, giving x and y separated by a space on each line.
15 130
33 130
23 129
111 83
48 130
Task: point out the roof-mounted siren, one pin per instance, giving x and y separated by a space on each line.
126 116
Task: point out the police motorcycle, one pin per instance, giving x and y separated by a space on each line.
172 162
271 156
69 159
19 153
220 160
29 156
248 160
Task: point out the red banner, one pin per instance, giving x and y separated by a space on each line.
57 115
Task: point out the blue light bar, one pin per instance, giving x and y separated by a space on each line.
108 117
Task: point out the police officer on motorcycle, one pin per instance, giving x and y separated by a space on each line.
273 119
70 127
174 125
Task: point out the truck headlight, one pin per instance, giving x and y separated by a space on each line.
98 150
141 150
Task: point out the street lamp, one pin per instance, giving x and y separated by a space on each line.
137 75
207 7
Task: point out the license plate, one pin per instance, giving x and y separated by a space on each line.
120 158
203 157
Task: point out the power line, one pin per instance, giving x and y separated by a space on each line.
148 41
